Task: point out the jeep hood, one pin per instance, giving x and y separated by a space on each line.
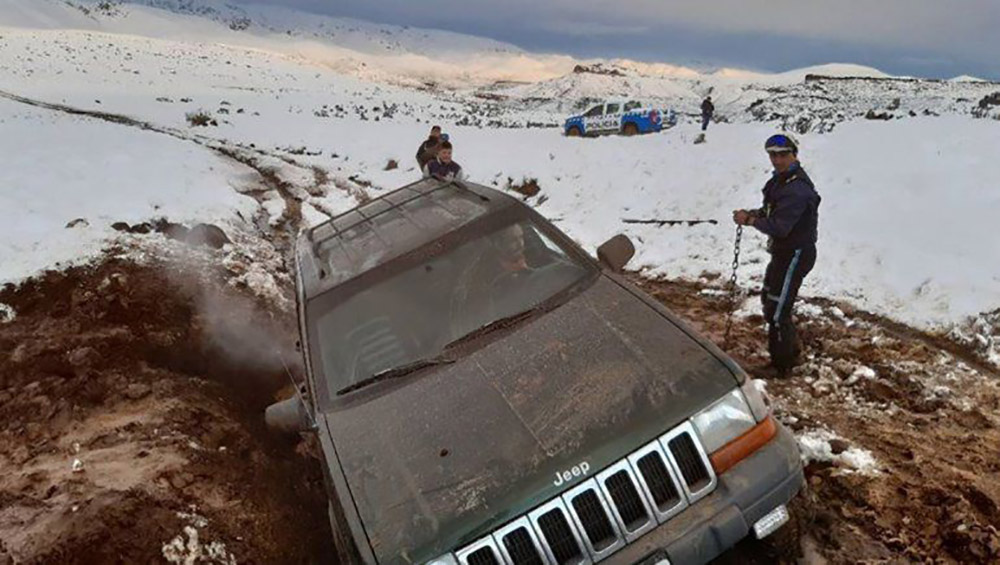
442 459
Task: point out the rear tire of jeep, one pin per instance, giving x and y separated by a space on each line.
630 129
573 132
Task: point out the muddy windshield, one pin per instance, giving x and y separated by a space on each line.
414 314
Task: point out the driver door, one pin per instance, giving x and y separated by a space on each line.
612 118
592 119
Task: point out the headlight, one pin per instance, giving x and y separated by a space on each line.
725 420
444 560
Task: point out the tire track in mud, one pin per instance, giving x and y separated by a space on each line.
902 331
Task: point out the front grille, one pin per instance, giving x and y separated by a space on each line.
689 460
600 515
661 486
557 533
521 548
596 524
627 500
483 556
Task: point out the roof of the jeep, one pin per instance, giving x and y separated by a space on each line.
389 226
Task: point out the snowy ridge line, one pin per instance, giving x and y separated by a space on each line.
819 76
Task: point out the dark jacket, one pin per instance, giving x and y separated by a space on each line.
791 210
427 151
707 108
445 171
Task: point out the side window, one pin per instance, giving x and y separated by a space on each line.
612 109
632 105
595 111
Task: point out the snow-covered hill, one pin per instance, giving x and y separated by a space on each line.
330 131
391 54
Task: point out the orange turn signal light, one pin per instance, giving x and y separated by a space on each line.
742 447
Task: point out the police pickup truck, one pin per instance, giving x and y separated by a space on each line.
627 118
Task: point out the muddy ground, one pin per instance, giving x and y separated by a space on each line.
130 423
131 395
923 408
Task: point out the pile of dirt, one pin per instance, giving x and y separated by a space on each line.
907 472
131 429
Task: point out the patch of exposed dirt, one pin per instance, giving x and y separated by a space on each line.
131 427
527 187
925 411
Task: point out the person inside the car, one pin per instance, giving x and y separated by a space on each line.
510 245
512 271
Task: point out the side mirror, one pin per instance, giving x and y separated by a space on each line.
288 416
616 252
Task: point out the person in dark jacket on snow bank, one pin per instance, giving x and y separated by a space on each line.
442 167
429 148
790 217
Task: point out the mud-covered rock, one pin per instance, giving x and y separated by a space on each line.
207 234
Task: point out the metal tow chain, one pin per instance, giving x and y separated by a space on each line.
734 291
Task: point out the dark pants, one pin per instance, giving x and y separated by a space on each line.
782 280
704 122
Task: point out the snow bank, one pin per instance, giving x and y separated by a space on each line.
64 171
904 224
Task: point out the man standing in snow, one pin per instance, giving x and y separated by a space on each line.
442 167
429 148
790 217
707 109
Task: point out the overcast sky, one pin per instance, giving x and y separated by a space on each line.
931 38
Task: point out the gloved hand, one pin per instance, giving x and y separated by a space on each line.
743 217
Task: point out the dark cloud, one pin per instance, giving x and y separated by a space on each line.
911 37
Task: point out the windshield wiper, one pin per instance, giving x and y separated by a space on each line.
492 326
396 372
441 359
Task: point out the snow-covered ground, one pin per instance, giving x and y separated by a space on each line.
66 179
905 220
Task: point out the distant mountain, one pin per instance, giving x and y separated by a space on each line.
397 54
503 85
967 78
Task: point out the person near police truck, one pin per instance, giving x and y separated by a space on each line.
790 218
707 111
